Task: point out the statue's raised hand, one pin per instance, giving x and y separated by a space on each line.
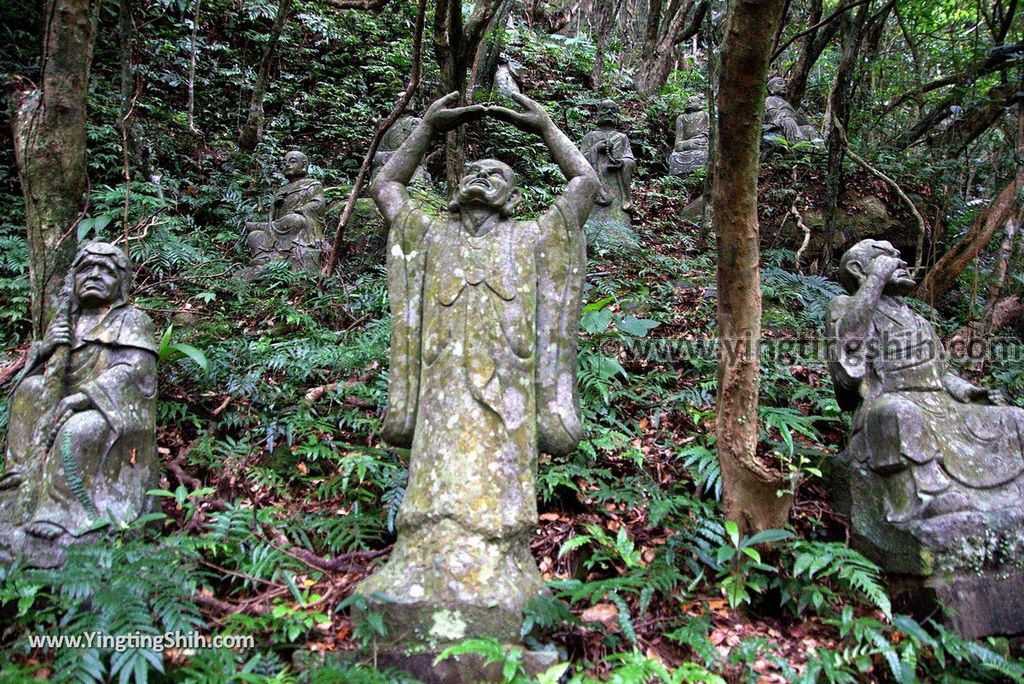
442 117
884 266
533 119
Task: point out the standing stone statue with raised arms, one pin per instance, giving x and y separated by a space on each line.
609 153
693 131
294 230
933 468
485 316
81 445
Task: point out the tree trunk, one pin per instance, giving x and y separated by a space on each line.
48 126
948 268
605 10
838 106
455 46
749 487
252 131
654 73
190 107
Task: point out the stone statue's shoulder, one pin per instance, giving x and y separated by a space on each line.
838 307
132 327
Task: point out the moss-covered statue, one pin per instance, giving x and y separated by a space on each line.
933 468
609 153
781 120
393 138
81 438
485 315
693 129
294 231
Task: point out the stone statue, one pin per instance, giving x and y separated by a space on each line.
608 151
81 443
294 230
782 120
485 313
693 130
393 139
933 460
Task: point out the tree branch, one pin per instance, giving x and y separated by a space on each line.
829 19
357 186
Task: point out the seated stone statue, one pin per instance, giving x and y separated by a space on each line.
932 459
609 152
81 445
295 229
392 140
693 128
782 120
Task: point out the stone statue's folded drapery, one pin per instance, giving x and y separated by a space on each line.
102 460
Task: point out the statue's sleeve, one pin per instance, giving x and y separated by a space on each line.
848 359
314 208
406 261
125 391
561 270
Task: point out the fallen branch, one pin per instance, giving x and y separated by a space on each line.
807 237
922 226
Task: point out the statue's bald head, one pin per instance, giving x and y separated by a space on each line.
487 182
855 264
777 86
607 112
296 165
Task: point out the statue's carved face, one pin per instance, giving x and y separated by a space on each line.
777 86
96 280
487 182
866 252
607 113
295 165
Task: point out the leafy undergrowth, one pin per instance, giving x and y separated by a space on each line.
279 495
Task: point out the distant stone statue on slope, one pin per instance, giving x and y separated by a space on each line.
693 130
485 316
294 230
609 152
782 120
393 139
81 444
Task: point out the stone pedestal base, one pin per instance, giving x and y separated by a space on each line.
469 668
444 584
686 162
975 606
969 563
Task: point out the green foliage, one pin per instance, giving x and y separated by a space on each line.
817 564
127 587
744 573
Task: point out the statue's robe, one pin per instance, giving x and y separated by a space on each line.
906 423
615 190
483 373
112 459
784 121
690 151
301 244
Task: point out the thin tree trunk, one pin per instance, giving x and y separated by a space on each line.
48 126
948 268
252 131
654 72
749 486
605 10
191 106
364 168
838 107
